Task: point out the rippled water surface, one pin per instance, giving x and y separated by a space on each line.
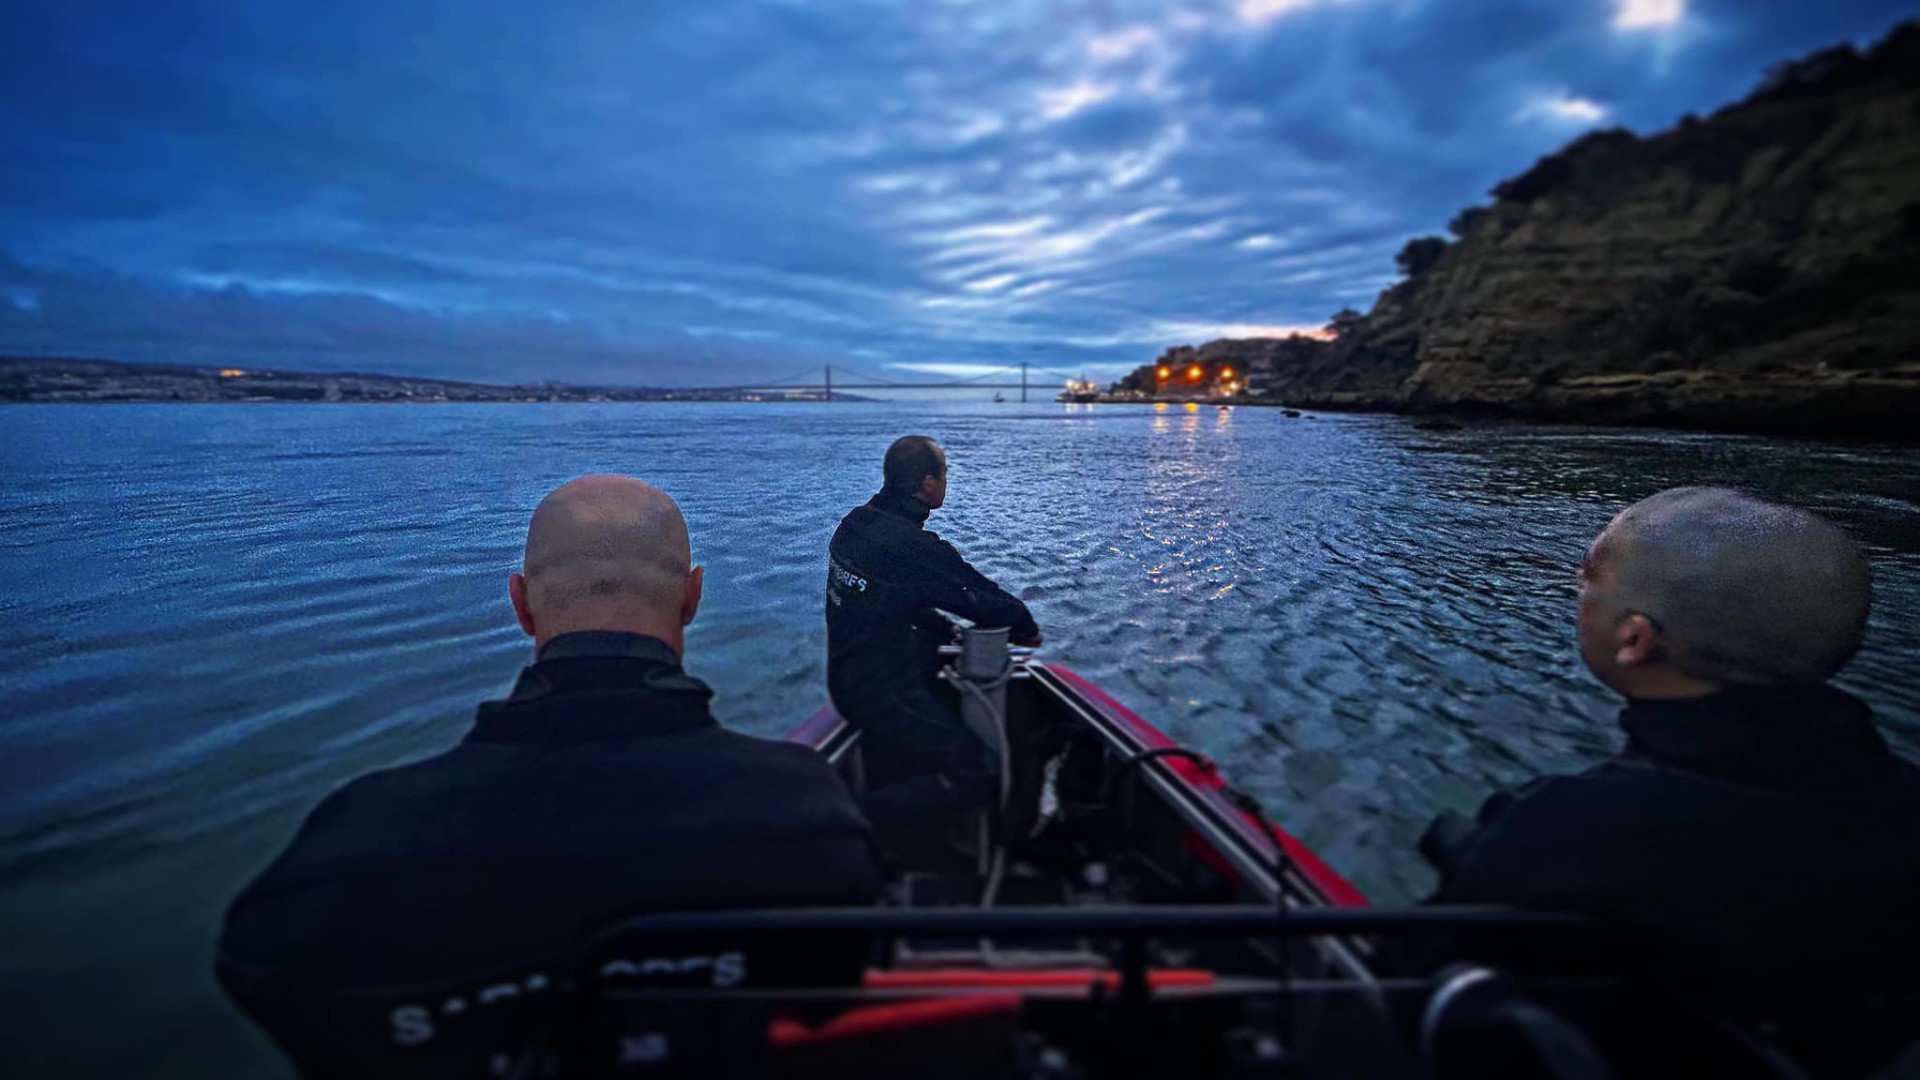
214 614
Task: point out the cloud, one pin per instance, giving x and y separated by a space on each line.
1161 333
471 191
991 284
1204 331
1123 43
1262 12
1060 102
1648 14
951 370
1563 109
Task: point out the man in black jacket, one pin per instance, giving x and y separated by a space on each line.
601 787
1756 836
887 574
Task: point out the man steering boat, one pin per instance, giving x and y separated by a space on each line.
888 578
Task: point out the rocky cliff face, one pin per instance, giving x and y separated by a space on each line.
1759 269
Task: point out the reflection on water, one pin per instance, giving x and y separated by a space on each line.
217 613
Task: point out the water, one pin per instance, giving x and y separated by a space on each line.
211 615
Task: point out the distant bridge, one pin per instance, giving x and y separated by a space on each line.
863 381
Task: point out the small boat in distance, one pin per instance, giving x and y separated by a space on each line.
1079 391
999 397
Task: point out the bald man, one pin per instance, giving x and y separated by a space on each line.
599 788
1756 835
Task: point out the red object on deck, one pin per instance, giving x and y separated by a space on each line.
784 1031
944 978
1206 780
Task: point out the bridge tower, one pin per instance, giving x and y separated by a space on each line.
829 396
1023 382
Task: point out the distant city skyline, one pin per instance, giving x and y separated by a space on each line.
633 194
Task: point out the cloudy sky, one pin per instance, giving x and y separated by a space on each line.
680 193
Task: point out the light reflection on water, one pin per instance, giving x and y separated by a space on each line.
217 613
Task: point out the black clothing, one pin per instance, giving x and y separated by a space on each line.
600 788
1762 847
886 576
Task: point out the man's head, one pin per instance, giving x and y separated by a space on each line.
1695 588
917 466
606 553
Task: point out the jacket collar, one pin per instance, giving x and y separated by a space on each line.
597 686
1816 737
608 643
906 506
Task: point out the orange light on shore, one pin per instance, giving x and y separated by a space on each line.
1226 373
1194 372
1165 371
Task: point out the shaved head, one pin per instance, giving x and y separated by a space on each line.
1741 590
606 552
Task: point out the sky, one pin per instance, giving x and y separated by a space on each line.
662 194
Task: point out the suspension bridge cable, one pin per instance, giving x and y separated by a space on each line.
872 378
987 375
1055 374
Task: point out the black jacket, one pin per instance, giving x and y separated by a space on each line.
1760 846
601 787
886 575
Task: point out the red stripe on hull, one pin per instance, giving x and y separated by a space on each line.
1207 781
785 1032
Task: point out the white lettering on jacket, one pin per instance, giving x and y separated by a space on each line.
725 969
847 577
412 1025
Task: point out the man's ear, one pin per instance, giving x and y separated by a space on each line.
1634 640
690 603
925 490
517 592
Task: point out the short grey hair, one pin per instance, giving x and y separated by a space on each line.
1745 590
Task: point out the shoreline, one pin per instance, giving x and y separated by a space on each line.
1472 416
1853 410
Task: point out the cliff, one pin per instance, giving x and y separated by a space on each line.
1756 270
